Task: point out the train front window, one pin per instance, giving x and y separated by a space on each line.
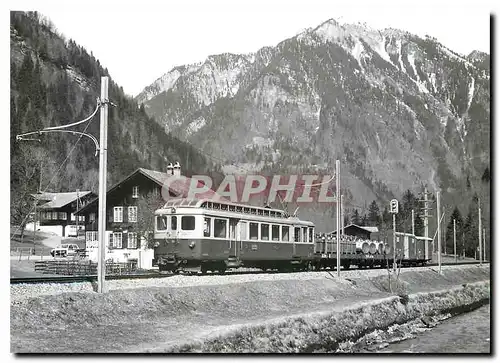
310 234
220 228
173 223
161 223
206 227
187 223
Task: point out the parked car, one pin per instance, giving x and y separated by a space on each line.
68 249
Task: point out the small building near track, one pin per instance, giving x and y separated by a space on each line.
363 232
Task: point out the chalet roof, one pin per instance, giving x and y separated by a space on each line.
366 228
58 200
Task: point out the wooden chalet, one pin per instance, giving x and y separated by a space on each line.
56 212
122 240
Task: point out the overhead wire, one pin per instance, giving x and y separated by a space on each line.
60 166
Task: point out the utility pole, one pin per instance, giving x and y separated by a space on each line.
413 229
103 146
444 235
484 245
77 217
412 222
34 226
455 239
341 215
426 222
480 238
439 229
337 169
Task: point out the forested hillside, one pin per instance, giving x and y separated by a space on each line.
54 81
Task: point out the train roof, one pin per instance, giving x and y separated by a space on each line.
225 206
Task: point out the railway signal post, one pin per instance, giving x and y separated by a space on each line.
394 210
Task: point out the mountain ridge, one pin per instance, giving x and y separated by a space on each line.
371 98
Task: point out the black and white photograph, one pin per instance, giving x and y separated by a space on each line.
250 177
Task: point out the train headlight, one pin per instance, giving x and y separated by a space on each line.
192 244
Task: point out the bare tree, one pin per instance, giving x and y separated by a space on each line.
24 181
146 207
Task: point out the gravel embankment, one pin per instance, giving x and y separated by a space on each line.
147 315
21 292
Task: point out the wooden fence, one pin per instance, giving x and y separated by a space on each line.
83 268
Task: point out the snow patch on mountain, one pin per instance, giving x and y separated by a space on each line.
470 93
417 80
78 78
195 125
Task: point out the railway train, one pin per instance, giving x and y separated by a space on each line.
208 235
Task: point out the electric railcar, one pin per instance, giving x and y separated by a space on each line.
213 235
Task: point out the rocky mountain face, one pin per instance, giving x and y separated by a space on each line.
398 110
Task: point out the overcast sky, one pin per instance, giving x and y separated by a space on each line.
140 41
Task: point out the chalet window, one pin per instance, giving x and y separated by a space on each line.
54 215
132 214
187 223
220 228
206 227
115 240
275 231
135 192
118 214
92 217
81 218
254 230
132 240
285 233
161 223
73 218
264 230
173 222
91 236
63 215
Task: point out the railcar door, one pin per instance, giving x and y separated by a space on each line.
235 238
296 238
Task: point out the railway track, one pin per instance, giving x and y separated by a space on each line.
90 278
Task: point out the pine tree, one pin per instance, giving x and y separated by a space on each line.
374 214
455 215
486 175
355 219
